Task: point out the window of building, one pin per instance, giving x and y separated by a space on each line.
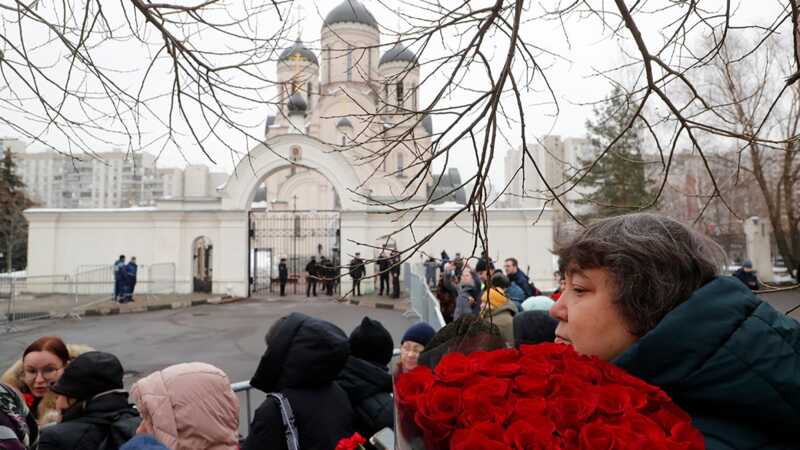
386 94
399 88
328 62
344 140
349 63
308 93
400 164
414 96
369 60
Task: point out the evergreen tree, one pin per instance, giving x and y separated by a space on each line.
13 225
617 182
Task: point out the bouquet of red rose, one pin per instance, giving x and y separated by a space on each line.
542 396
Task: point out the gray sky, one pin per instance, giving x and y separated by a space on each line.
584 50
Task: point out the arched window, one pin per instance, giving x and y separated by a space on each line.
309 91
400 164
349 63
328 62
344 140
399 88
414 95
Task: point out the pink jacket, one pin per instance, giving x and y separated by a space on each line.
190 406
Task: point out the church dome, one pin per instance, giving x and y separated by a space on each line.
344 122
300 51
297 103
351 11
398 53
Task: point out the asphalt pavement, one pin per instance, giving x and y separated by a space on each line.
230 337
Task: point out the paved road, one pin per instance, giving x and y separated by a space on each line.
228 336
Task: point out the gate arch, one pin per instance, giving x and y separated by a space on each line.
240 189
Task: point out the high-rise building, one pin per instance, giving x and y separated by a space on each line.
559 163
104 180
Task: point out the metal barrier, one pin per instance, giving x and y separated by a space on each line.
25 298
423 303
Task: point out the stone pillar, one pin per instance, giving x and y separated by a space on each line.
759 247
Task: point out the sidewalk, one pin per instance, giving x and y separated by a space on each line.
381 301
62 305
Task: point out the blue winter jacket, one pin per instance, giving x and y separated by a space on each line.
732 362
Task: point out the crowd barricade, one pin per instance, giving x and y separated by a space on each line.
424 304
25 298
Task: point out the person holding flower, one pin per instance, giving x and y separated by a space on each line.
414 341
645 292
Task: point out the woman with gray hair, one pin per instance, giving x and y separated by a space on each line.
644 292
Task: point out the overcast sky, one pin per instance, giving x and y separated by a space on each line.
582 52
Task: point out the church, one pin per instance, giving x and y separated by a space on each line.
340 147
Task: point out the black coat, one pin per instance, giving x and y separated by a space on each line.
748 278
302 360
369 388
357 269
108 419
283 272
732 362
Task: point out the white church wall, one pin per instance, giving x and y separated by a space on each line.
61 241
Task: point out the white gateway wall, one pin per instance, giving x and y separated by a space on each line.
62 240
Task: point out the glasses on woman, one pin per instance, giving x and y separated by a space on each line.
49 373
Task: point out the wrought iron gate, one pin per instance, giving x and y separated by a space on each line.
295 235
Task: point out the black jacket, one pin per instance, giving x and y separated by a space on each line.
732 362
302 360
369 388
283 272
357 269
104 423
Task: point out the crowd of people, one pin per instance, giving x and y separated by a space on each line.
641 291
124 279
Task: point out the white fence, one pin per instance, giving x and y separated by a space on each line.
423 303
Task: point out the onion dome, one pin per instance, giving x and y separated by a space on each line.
344 122
351 11
297 103
398 53
300 52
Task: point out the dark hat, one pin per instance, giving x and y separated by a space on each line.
372 342
421 333
747 264
534 327
90 374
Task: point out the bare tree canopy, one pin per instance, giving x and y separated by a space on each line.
197 75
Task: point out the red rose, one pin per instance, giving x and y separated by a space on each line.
582 369
526 386
600 436
547 350
572 413
437 410
533 433
684 433
354 442
613 399
640 425
480 436
568 385
669 415
498 363
483 409
536 366
525 408
495 389
411 385
454 368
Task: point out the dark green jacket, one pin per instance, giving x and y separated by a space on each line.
732 362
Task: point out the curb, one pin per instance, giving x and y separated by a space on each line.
402 305
116 310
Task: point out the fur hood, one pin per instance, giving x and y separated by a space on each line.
46 412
